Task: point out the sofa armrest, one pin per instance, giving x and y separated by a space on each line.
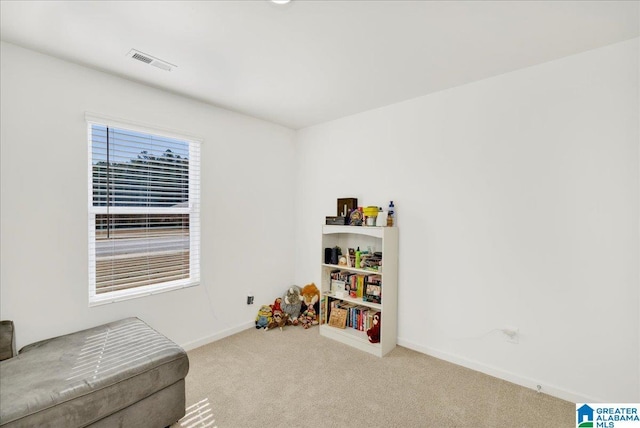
7 340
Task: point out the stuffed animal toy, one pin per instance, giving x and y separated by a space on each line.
311 297
291 304
308 318
374 332
279 320
276 305
264 316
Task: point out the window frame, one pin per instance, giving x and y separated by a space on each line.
193 210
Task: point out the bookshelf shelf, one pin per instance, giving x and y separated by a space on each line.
375 231
370 239
357 301
351 269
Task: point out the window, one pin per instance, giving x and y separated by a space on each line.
144 221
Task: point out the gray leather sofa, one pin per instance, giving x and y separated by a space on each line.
121 374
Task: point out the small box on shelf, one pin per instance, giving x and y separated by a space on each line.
336 220
346 206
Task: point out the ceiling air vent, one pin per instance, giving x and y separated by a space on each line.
151 60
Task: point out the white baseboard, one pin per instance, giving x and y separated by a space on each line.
526 382
221 335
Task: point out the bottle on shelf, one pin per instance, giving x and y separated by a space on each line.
391 215
381 220
358 258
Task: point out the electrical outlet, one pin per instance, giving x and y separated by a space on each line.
249 300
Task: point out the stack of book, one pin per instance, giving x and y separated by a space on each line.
356 286
352 315
371 261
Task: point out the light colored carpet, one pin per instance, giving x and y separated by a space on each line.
297 378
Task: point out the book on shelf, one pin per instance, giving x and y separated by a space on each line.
353 286
360 287
348 308
373 289
356 286
358 317
330 305
341 275
367 287
338 317
323 308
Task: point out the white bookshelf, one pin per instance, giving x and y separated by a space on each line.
384 239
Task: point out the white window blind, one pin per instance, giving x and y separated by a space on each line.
144 222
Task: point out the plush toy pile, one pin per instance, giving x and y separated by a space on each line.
296 306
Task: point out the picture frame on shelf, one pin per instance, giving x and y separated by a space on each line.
338 318
351 258
356 217
338 286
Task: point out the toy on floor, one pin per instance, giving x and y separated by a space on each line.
264 316
279 320
374 332
310 297
291 304
308 317
276 305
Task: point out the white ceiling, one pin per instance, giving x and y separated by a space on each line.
312 61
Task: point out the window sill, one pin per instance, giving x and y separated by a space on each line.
119 296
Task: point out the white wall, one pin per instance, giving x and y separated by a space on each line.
246 213
518 206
